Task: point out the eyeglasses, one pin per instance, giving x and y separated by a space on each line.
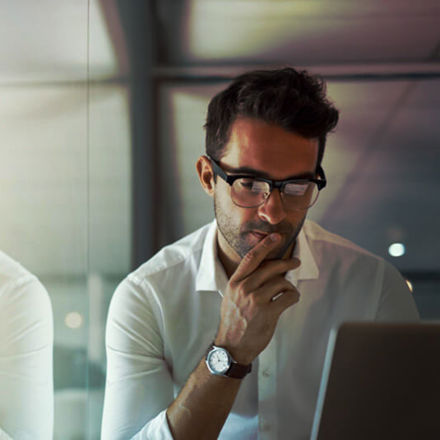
249 191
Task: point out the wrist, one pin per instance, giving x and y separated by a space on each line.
239 355
221 362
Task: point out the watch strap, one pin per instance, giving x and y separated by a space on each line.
238 371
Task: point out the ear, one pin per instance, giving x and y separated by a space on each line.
206 176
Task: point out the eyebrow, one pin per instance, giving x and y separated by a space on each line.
262 174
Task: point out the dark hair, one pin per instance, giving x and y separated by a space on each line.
296 101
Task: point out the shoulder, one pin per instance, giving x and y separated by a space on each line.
24 304
362 278
324 242
171 265
337 256
11 271
318 236
172 257
19 285
141 298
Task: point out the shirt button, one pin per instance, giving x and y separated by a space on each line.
266 373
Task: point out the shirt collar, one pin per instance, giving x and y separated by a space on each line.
308 270
211 275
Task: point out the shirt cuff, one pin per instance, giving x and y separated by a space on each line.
155 429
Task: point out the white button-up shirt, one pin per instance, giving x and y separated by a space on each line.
164 316
26 344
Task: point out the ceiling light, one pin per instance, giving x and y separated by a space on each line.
396 249
73 320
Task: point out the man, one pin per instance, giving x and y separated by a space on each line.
223 334
26 344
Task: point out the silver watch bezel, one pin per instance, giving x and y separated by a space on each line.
214 350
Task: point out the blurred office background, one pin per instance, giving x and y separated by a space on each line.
102 104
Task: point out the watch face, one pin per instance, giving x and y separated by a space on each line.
218 361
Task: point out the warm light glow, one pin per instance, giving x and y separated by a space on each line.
396 249
73 320
224 29
410 286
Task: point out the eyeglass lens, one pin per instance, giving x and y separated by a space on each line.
248 192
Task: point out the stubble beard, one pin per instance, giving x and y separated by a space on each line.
237 236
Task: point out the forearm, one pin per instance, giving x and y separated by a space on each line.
201 408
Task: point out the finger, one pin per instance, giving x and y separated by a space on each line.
268 270
266 292
286 300
255 256
270 290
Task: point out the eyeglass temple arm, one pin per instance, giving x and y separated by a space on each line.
321 174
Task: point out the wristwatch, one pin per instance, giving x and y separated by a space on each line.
221 363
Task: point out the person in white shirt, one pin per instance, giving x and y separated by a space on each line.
223 333
26 344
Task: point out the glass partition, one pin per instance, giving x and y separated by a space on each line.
65 176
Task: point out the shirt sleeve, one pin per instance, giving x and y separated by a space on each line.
139 387
4 436
26 344
396 302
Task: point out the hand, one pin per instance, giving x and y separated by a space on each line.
248 313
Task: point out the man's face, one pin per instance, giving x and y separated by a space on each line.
264 150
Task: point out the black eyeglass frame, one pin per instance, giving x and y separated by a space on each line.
279 184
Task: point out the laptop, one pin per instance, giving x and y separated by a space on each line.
380 381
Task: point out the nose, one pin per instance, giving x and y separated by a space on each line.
272 210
